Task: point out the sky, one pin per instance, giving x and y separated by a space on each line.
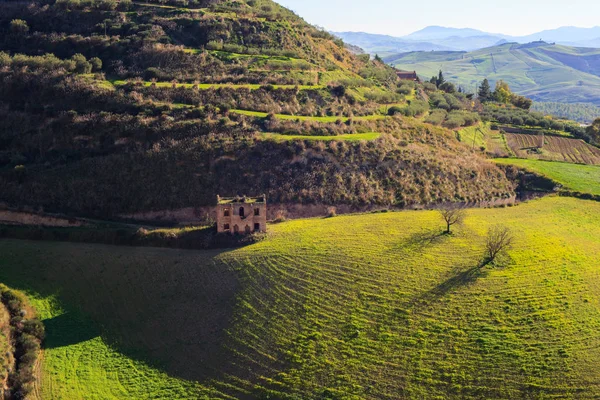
401 17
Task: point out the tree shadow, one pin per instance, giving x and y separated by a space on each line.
457 281
68 329
421 240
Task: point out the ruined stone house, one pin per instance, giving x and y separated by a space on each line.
241 215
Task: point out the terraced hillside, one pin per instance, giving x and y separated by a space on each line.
541 71
365 306
555 148
165 105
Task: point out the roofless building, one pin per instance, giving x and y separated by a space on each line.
241 215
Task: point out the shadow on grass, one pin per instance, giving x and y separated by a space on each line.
457 281
68 329
169 309
421 240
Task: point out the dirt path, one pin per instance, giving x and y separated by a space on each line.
36 393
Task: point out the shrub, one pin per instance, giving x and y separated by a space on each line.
96 64
35 328
19 26
280 216
82 66
437 117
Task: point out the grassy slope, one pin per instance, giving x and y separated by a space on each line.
259 114
543 73
580 178
351 137
484 137
204 86
365 306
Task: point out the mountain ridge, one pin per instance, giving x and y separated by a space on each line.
543 71
433 37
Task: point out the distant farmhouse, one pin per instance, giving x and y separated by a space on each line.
408 76
241 215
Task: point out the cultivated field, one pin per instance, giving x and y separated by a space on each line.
365 306
579 178
555 148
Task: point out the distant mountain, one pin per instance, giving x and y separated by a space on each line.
383 44
542 71
588 43
438 38
440 32
470 43
563 35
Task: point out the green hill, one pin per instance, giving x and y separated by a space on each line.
113 107
365 306
541 71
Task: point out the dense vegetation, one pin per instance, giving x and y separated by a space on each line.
6 354
367 306
580 112
156 104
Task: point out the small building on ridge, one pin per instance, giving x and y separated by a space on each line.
408 76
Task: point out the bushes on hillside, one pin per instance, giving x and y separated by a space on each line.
27 335
508 114
379 172
49 62
414 108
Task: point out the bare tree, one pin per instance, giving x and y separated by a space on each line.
499 239
452 216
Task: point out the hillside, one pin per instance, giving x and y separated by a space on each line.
541 71
164 106
388 308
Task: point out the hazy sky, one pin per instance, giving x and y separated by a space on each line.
401 17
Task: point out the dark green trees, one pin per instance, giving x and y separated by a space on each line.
485 91
438 80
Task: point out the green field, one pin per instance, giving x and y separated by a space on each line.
576 177
351 137
363 306
259 114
